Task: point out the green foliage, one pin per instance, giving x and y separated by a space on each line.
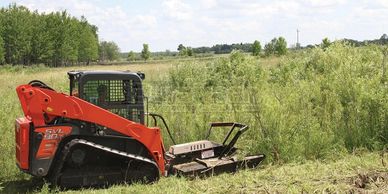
16 33
67 40
185 51
269 48
54 39
325 43
131 56
313 106
189 51
384 64
109 51
277 46
145 53
181 49
383 40
43 40
1 39
88 46
224 48
1 50
256 48
281 46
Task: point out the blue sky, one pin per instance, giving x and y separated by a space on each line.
164 24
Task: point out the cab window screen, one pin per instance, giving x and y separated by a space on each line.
122 97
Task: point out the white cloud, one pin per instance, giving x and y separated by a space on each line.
208 4
177 9
383 3
165 24
148 21
325 3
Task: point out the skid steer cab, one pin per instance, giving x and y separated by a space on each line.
100 134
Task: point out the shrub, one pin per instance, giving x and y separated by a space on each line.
310 107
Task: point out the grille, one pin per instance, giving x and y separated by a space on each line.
133 114
117 96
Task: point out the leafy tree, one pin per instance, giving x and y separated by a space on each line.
269 48
1 50
42 41
16 34
325 43
189 51
1 41
185 51
256 48
180 47
54 39
71 39
131 56
281 46
65 37
276 46
109 51
182 50
145 53
88 42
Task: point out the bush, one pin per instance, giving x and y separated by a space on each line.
312 106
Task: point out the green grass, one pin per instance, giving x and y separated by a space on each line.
307 111
360 173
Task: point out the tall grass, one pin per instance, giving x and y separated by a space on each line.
315 104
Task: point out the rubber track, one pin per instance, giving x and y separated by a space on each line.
66 150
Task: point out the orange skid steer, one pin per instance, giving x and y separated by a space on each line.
98 135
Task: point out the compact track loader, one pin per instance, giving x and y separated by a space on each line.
100 135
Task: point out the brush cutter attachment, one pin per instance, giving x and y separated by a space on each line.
205 157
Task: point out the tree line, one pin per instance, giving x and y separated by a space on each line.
224 48
277 46
55 39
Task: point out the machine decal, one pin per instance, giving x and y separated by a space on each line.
54 133
52 136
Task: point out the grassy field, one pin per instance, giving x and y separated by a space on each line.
357 173
310 112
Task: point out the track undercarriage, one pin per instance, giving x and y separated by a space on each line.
86 164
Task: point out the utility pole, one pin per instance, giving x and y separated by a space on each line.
297 39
